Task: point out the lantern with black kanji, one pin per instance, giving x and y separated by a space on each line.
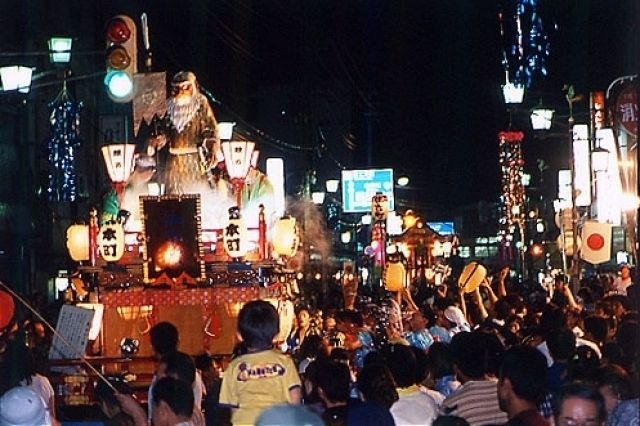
235 234
111 241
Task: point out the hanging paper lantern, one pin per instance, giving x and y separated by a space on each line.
111 241
120 160
235 234
78 242
7 309
394 276
472 276
285 237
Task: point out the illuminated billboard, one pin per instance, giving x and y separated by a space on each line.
359 186
442 228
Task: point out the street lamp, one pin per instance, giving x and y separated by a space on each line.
318 197
403 181
513 93
60 50
16 78
332 185
541 117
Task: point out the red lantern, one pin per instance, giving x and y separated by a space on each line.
7 309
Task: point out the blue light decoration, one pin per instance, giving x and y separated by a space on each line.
525 43
62 146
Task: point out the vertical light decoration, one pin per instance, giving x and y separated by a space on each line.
512 208
526 45
61 147
379 211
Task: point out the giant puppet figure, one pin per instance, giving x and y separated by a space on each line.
189 138
185 156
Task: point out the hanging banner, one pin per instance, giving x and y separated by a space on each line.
596 247
582 165
150 99
626 109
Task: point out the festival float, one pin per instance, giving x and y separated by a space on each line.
186 236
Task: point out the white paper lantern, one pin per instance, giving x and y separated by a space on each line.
78 242
111 242
285 237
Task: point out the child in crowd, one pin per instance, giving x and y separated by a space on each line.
262 377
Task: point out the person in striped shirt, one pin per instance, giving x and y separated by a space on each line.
476 400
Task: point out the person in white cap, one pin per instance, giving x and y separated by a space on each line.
21 406
457 319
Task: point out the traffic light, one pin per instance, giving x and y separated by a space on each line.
121 58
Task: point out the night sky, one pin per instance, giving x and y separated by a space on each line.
426 73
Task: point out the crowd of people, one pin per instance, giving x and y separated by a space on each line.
495 355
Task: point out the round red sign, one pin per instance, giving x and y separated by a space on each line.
595 241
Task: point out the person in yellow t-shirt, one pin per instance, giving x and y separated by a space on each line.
263 376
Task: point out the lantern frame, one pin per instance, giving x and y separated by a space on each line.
119 158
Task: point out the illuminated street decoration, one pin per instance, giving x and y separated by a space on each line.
512 209
526 46
62 146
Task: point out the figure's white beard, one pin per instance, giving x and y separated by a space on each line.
182 109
